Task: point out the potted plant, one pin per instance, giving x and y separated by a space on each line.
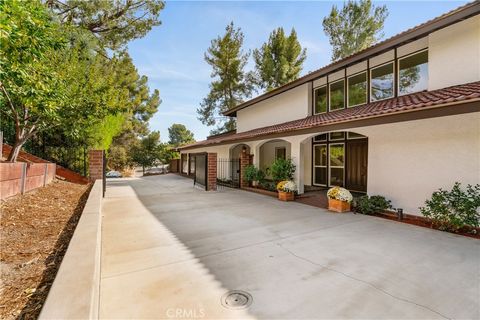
339 199
286 190
281 170
253 175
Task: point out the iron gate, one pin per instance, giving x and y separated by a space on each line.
228 173
200 163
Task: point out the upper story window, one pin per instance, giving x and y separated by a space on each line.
413 73
357 89
337 95
321 99
381 82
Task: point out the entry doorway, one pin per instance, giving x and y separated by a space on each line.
340 159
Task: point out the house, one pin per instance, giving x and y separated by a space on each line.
399 119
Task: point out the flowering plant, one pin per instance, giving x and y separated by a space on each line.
339 193
287 186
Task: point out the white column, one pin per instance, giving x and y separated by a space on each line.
297 154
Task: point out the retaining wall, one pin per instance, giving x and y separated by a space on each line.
75 292
20 177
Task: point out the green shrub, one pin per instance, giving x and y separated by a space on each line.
282 169
268 185
250 173
452 210
369 205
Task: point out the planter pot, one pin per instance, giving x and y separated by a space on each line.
286 196
338 206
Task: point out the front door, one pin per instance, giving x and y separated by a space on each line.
356 166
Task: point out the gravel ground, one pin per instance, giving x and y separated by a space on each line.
35 231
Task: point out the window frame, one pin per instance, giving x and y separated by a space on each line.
321 134
336 139
329 103
398 70
366 89
280 148
392 62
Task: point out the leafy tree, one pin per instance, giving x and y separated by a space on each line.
355 27
179 134
279 60
113 22
230 85
146 152
167 153
29 81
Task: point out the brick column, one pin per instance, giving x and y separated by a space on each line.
245 160
95 164
212 172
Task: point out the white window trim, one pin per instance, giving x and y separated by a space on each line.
370 78
330 95
348 88
337 139
319 166
315 97
336 167
398 70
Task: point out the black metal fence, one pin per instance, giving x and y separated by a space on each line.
228 173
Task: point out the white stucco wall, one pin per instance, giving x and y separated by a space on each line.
407 161
267 152
454 54
287 106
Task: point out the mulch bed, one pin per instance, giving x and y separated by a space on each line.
36 229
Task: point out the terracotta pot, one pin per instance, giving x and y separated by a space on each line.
286 196
338 205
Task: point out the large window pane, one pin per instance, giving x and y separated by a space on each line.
321 155
336 155
336 177
357 89
321 100
382 82
337 95
413 73
321 176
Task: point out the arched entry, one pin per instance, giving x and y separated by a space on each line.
272 150
236 150
340 159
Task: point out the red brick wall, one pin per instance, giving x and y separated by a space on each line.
246 159
95 158
21 177
212 172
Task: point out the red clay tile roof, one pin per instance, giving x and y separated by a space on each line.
414 102
444 20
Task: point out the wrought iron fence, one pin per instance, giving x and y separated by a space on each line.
228 173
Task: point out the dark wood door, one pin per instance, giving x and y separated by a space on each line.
356 165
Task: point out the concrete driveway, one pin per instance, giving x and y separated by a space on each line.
172 251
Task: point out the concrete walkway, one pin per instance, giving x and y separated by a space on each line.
171 251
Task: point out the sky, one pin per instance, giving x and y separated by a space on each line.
172 54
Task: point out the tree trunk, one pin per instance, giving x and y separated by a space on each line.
17 146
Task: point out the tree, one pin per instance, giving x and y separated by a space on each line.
179 135
230 85
356 27
113 22
28 79
279 60
146 152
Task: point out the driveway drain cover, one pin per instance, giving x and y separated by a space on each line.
237 299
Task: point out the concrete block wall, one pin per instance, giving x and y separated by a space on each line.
212 171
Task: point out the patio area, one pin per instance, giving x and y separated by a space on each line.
170 250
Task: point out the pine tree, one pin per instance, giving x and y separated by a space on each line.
279 60
230 84
356 27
